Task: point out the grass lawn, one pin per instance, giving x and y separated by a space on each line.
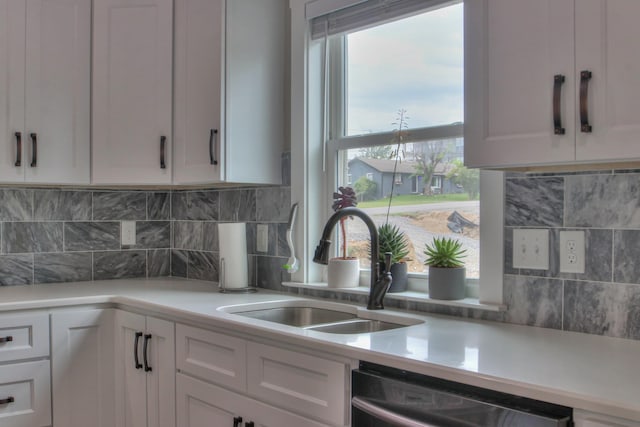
415 199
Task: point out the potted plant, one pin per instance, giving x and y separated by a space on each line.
446 268
391 239
343 271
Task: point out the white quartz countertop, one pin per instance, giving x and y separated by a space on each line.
594 373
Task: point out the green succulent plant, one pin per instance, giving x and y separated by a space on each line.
444 253
391 239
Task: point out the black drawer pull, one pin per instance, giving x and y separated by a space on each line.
585 76
34 150
8 338
18 149
237 421
147 338
558 80
249 424
163 143
9 399
136 360
213 140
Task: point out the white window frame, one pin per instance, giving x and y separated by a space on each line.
314 176
369 175
397 178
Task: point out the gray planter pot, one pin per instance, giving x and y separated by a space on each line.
447 283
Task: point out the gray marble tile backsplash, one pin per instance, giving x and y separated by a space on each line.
605 299
50 235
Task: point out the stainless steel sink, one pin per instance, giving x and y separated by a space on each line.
327 317
357 326
298 316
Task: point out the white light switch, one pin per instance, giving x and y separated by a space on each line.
128 233
262 238
531 249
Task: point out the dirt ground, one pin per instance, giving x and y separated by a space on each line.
434 221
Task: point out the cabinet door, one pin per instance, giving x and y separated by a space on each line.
589 419
29 385
12 54
605 46
82 368
130 378
199 26
58 91
200 404
302 383
132 86
161 381
513 50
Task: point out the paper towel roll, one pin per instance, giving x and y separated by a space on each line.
232 241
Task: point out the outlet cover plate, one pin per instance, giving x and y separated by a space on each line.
572 252
531 248
128 233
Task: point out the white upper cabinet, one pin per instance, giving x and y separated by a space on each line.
526 96
229 91
45 91
132 91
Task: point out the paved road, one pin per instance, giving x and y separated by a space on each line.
473 204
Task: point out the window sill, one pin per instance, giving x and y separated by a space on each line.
410 295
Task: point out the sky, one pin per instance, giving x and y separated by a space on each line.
415 64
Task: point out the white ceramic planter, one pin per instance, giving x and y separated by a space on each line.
343 273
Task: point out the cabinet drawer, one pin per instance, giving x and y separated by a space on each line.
28 384
214 357
309 385
23 336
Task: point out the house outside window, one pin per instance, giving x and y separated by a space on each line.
398 179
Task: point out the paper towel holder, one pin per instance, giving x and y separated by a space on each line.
225 290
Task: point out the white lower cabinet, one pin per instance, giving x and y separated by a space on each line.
262 384
144 371
201 404
25 385
82 368
589 419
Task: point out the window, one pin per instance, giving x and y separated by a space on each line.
370 176
372 96
401 82
349 179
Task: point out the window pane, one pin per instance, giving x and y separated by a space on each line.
414 64
448 207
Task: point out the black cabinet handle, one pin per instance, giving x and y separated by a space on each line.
237 421
585 76
145 349
163 143
34 150
8 338
18 149
249 424
9 399
213 141
558 80
135 351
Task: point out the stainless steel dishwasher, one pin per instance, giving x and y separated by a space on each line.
384 397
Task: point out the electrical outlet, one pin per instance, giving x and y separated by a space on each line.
262 238
531 249
128 233
572 252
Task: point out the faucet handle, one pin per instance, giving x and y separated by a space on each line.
387 262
